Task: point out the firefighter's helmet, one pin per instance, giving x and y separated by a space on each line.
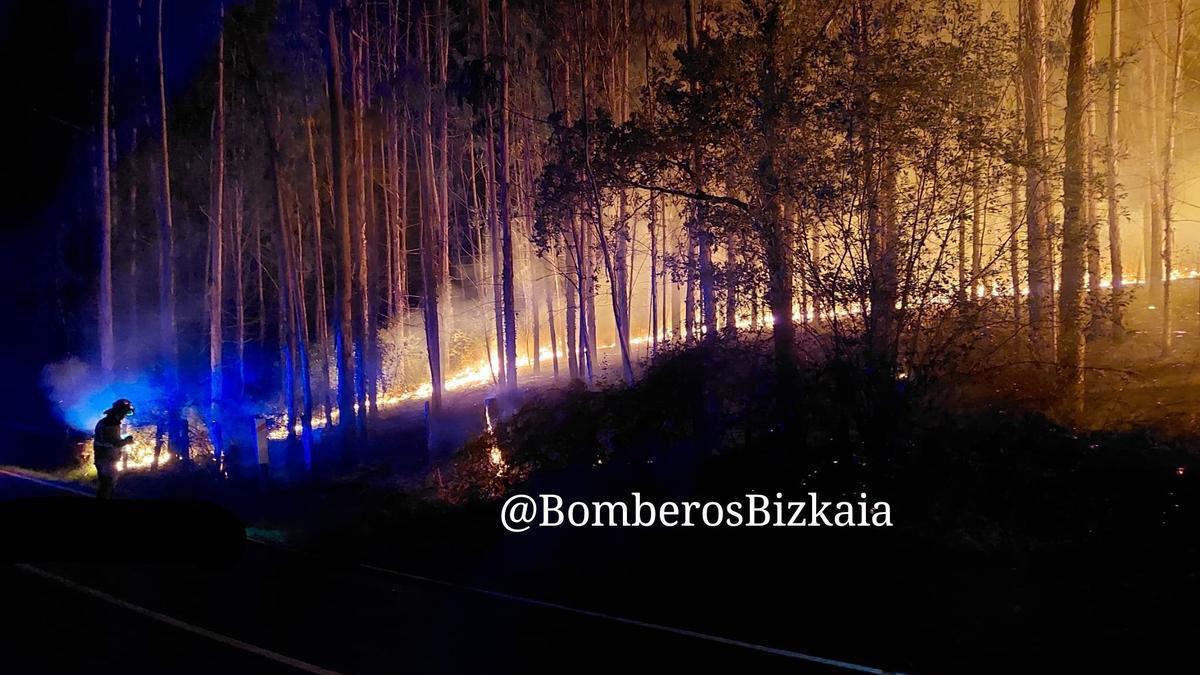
121 406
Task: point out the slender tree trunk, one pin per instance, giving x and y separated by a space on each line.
177 431
978 224
1154 269
1168 205
571 293
216 247
502 169
360 301
107 344
1116 308
341 211
490 184
1092 221
240 287
319 263
551 288
1037 200
1014 249
689 296
430 232
133 296
1075 227
731 279
442 149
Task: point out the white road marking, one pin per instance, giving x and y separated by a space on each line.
845 665
176 623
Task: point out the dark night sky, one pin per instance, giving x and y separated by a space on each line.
52 51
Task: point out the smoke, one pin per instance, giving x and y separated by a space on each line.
82 393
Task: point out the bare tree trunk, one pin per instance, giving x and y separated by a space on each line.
1014 233
431 229
1092 220
571 292
216 267
551 288
166 267
586 289
240 287
1075 228
133 296
107 344
400 147
978 226
177 432
622 263
708 303
502 168
490 190
291 343
610 269
1037 200
361 305
731 279
572 264
677 314
652 228
1154 269
261 286
961 236
341 211
689 296
1116 309
1169 175
319 262
442 148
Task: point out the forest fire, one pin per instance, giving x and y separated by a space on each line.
138 456
407 227
949 251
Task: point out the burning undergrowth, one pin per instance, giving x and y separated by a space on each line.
81 394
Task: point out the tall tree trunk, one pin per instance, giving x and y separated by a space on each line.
239 287
1091 219
1154 264
551 287
689 295
442 148
291 322
341 212
1168 176
490 185
1116 308
319 264
177 431
502 170
708 303
107 345
1014 233
978 225
1037 199
430 230
361 305
216 248
1075 227
571 292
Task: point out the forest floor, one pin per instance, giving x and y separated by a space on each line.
1019 544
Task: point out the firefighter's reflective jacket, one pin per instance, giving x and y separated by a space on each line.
107 439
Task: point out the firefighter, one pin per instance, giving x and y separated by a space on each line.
107 444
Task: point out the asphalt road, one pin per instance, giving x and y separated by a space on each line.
276 610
